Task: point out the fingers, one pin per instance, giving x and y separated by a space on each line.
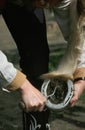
73 100
75 96
38 107
78 90
33 99
22 105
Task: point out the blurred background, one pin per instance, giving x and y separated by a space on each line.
10 113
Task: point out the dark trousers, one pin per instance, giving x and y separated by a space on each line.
30 37
31 40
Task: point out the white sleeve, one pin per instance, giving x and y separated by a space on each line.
81 59
62 16
7 71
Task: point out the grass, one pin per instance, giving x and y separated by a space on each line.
55 58
82 96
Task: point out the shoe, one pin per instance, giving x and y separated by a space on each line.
36 120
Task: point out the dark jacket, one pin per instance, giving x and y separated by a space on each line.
19 2
15 2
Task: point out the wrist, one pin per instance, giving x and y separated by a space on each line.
19 79
79 79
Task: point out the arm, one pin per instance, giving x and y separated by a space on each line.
13 79
79 47
79 85
9 76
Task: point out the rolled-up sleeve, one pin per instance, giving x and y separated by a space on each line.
80 70
7 70
10 77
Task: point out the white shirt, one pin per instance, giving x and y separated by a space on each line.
7 71
63 19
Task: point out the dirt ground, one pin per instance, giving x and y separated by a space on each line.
10 113
70 119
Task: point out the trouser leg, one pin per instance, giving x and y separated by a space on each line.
36 120
30 37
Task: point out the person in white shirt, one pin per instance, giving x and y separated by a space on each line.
26 22
12 79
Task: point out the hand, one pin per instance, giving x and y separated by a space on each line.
32 98
79 88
